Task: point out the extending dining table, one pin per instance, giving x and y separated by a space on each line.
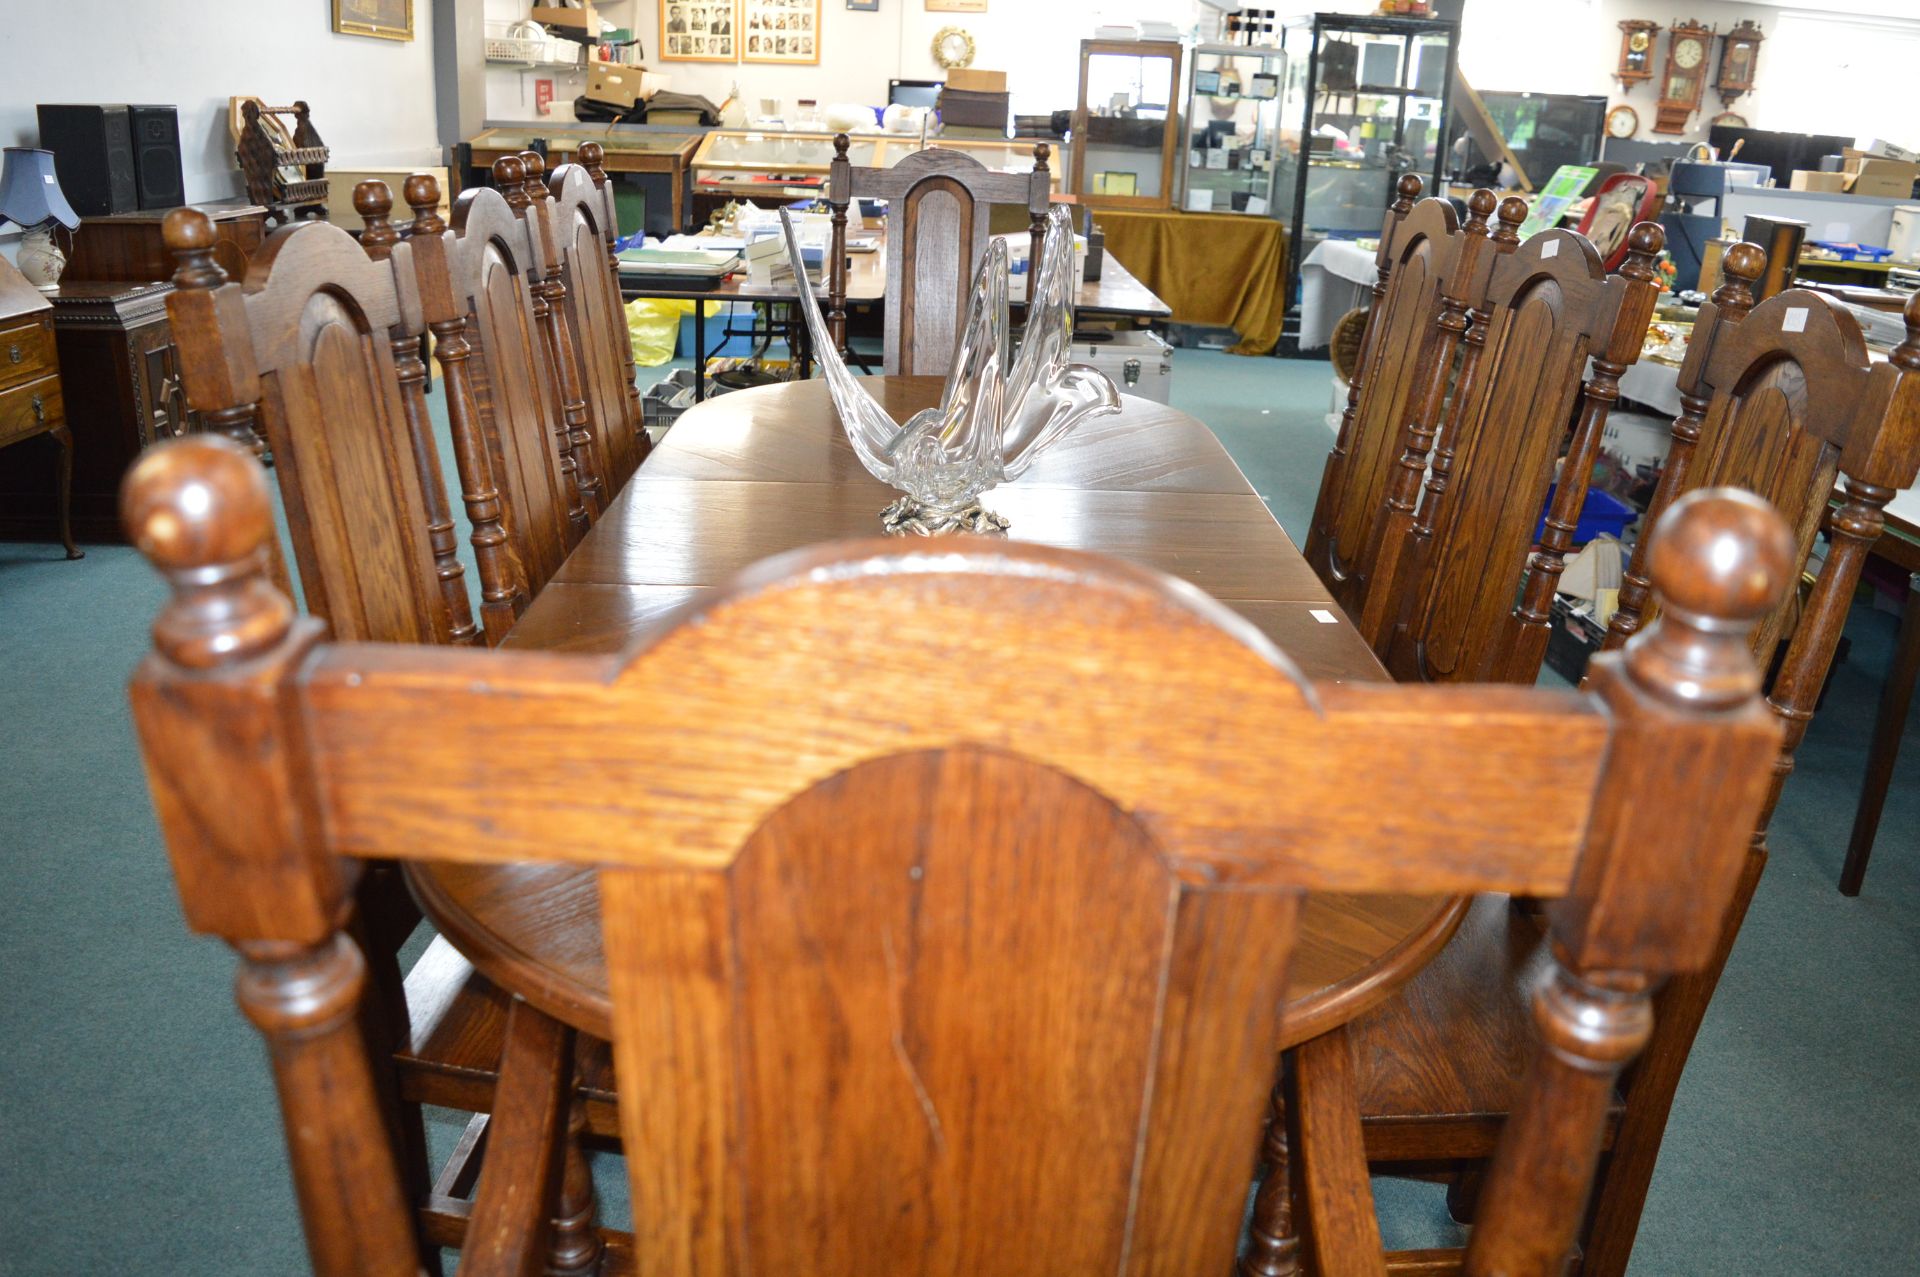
757 472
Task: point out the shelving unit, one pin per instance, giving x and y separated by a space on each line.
1232 137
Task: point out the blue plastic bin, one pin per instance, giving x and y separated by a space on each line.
1601 512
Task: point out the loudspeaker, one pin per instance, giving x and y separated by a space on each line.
92 155
156 155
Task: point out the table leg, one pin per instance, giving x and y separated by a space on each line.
699 351
801 341
64 478
1887 728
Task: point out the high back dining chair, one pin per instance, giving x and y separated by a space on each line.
307 346
1399 384
1459 597
937 202
532 203
598 320
1780 399
990 987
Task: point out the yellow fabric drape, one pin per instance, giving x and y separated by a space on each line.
1219 269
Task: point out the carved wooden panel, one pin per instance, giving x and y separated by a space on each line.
516 406
929 267
1422 258
320 313
1547 302
595 312
885 1045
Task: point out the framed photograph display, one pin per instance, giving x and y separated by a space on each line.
385 19
780 31
864 6
956 6
699 31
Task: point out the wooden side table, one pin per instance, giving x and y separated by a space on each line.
30 399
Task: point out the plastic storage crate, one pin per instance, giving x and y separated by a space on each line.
1601 512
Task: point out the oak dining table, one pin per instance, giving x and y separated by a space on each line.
761 471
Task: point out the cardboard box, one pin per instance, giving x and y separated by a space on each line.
621 85
1806 179
977 81
1884 149
583 20
1884 179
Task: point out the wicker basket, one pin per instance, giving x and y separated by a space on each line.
1345 346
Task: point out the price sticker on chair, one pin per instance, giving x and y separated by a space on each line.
1796 320
1550 249
1323 616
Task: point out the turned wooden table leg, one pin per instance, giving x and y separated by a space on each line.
1895 700
1273 1244
575 1250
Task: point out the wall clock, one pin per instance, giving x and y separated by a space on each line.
1636 52
1729 119
1685 78
952 48
1623 121
1739 52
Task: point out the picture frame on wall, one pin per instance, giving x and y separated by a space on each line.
864 6
381 19
781 31
699 31
956 6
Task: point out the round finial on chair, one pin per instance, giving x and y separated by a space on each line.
1907 354
1409 186
510 176
1480 206
1512 212
840 145
1720 560
422 192
373 200
188 235
199 509
197 501
1646 238
536 165
1741 266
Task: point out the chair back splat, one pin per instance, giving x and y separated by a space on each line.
890 987
594 310
593 155
937 203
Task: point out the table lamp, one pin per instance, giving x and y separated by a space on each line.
30 197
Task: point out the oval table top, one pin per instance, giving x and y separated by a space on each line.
761 471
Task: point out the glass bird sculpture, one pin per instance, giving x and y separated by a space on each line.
998 411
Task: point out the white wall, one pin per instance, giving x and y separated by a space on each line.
1573 46
373 100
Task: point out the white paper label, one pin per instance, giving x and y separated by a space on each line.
1256 204
1323 616
1550 249
47 178
1796 320
1200 201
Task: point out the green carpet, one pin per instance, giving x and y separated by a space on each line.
138 1129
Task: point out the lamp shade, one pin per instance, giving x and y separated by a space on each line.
29 192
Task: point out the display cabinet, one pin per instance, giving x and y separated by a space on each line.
1126 125
766 164
1364 99
1233 126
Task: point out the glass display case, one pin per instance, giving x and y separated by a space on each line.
1232 127
1364 99
1126 125
768 164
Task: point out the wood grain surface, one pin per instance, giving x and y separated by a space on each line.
761 471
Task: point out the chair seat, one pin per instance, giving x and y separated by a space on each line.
1439 1063
459 1020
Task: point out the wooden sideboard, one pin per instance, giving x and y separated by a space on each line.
30 401
117 364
